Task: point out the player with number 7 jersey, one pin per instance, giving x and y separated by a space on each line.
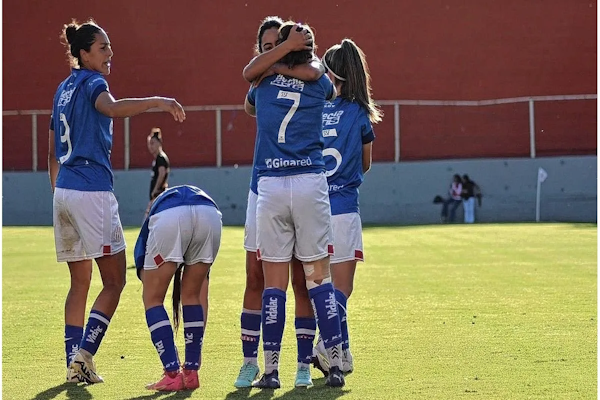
293 214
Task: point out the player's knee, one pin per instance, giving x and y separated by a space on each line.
316 275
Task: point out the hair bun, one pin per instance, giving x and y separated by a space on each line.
70 33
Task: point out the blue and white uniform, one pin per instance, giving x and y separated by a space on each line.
183 226
85 211
293 213
346 128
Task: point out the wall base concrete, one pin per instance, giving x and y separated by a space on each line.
399 194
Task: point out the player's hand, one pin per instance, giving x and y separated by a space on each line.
172 107
299 39
269 72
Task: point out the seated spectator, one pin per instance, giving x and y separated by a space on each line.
455 199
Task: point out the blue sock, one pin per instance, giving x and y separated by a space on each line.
305 335
323 301
161 333
273 323
342 300
94 331
250 323
193 329
73 335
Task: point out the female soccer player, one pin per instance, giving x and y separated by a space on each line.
348 137
292 212
268 53
85 211
182 231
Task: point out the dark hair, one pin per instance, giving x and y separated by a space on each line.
295 57
348 61
155 133
77 37
466 178
457 178
176 297
265 25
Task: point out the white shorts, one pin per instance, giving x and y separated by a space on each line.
293 217
86 225
183 234
250 225
347 238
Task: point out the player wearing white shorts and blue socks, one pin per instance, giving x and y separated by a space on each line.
85 211
348 135
181 234
293 212
268 52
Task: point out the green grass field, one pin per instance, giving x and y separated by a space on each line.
442 312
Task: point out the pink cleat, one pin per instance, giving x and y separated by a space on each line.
170 382
190 379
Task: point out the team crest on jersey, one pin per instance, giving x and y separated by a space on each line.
65 97
332 118
284 82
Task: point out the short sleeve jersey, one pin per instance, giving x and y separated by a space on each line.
346 128
289 121
83 136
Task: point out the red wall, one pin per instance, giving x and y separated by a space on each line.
436 50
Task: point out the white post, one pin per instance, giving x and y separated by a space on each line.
396 132
218 137
531 129
537 201
34 147
126 145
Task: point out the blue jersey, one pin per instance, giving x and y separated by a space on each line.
346 128
185 195
82 135
289 121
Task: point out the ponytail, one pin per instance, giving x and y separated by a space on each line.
177 297
348 65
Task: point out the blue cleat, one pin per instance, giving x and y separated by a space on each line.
303 378
335 378
248 374
268 381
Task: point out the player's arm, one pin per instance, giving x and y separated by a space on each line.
249 108
107 105
367 156
53 165
296 41
311 71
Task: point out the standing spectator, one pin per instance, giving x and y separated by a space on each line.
470 190
160 165
454 200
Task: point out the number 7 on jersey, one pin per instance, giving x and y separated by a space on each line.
295 97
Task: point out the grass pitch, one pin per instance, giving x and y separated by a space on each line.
442 312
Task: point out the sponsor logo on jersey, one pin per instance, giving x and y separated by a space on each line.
284 82
335 188
65 97
285 163
332 118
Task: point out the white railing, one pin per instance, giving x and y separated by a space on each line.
396 103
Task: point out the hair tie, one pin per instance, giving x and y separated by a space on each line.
330 70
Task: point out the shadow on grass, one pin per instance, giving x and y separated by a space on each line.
73 391
184 394
318 391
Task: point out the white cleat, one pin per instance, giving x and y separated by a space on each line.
86 368
73 376
347 362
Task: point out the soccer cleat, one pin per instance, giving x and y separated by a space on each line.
335 378
248 373
347 362
320 360
190 379
171 381
268 381
73 376
85 367
303 378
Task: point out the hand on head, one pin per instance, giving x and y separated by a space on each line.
300 38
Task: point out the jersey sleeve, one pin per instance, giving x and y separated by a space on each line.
366 129
327 86
95 86
252 95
